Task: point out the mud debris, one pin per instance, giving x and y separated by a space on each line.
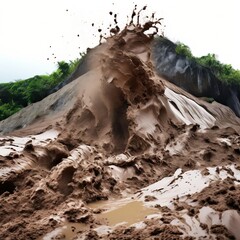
124 134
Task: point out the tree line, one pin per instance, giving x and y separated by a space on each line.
224 72
19 94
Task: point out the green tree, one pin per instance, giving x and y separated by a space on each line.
16 95
224 72
64 68
7 109
184 50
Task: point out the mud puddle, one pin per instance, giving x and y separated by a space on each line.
118 212
128 213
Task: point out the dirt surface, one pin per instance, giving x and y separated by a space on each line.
123 135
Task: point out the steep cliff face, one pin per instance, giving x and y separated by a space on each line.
192 77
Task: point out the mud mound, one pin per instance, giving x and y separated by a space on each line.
120 135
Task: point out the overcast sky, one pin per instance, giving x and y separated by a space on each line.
29 27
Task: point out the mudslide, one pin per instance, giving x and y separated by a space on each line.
120 153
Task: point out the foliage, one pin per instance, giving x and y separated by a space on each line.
184 50
225 72
7 109
19 94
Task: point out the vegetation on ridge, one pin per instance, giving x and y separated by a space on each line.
225 72
17 95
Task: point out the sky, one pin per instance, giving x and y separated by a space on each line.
33 31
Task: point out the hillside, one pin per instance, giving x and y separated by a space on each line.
17 95
204 77
121 152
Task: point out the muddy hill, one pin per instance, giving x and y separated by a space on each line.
186 73
121 153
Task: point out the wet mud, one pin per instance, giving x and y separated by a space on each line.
124 139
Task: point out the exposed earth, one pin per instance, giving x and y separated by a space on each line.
121 153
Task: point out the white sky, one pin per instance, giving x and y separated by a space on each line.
29 27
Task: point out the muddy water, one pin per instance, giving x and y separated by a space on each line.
119 212
71 229
129 213
110 204
68 231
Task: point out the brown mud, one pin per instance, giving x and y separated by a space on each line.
119 130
